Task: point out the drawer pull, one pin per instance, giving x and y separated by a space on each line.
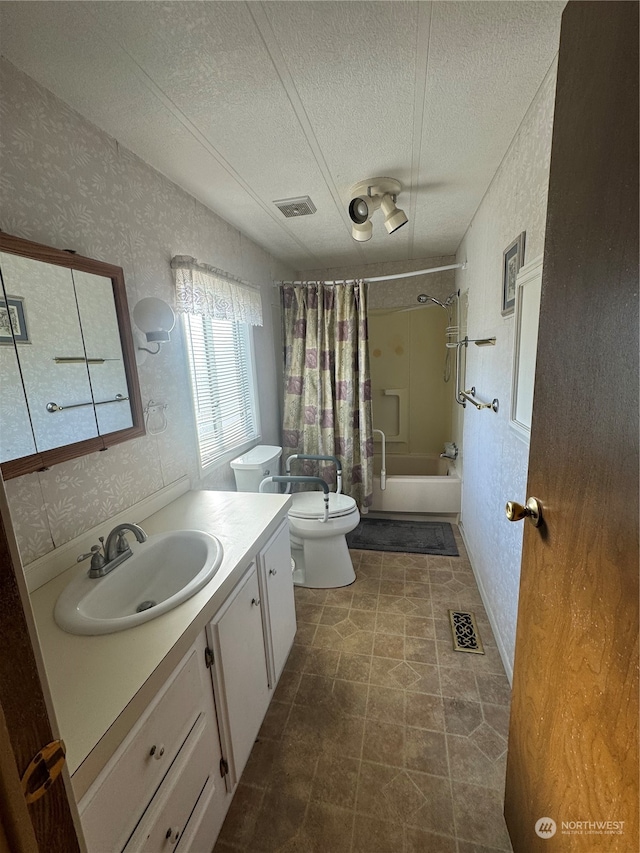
172 835
157 752
273 571
256 601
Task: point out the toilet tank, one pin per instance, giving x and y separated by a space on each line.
252 467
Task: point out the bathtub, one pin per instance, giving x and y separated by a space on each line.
424 484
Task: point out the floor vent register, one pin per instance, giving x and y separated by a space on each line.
465 632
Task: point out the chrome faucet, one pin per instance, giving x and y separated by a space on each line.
106 556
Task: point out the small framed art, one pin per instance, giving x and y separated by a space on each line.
12 316
512 260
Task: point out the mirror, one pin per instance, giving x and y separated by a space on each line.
67 364
527 312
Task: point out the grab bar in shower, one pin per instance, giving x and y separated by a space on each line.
470 395
462 397
383 469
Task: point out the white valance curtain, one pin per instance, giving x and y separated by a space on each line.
202 289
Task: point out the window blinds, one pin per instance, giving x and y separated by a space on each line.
223 387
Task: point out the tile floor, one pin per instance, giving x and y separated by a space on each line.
380 738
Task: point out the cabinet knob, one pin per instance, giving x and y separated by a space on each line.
172 835
157 751
256 601
273 571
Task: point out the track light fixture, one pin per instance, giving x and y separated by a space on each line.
366 197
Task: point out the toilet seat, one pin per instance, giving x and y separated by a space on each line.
310 505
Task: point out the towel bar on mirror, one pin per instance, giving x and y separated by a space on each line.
54 407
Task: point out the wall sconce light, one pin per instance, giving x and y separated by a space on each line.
366 197
156 320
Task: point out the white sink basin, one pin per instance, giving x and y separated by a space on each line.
163 572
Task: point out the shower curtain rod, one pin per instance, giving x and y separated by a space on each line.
384 277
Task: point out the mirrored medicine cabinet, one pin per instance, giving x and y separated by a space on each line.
68 379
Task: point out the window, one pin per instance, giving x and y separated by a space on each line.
222 380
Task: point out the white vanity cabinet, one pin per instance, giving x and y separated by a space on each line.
251 637
170 782
164 780
239 672
278 605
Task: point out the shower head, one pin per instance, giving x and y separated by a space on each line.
423 299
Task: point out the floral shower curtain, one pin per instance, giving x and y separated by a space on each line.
327 384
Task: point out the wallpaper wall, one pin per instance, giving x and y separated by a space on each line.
67 184
494 459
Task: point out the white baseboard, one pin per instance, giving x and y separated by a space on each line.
495 627
50 565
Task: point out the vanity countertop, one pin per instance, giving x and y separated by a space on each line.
101 684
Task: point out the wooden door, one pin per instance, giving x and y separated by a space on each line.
26 719
573 742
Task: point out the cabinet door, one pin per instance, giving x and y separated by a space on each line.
44 300
278 606
239 672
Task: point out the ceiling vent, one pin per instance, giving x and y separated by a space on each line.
296 206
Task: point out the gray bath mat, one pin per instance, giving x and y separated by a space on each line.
409 537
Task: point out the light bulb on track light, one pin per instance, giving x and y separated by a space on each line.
366 198
361 231
394 217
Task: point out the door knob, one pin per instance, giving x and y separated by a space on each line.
531 510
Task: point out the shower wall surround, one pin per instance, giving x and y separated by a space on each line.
494 459
69 185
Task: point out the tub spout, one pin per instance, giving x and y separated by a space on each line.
450 450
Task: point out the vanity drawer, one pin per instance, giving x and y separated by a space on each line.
163 823
112 806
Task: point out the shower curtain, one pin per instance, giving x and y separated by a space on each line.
327 385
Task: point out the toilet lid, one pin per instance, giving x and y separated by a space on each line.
311 505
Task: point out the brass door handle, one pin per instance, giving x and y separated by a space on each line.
531 510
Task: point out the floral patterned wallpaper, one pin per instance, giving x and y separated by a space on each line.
67 184
494 460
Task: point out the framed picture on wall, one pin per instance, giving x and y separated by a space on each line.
512 260
12 315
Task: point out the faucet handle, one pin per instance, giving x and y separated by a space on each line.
97 559
122 545
92 553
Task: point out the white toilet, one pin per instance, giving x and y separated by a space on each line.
318 547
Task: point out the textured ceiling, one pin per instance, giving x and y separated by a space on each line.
245 103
